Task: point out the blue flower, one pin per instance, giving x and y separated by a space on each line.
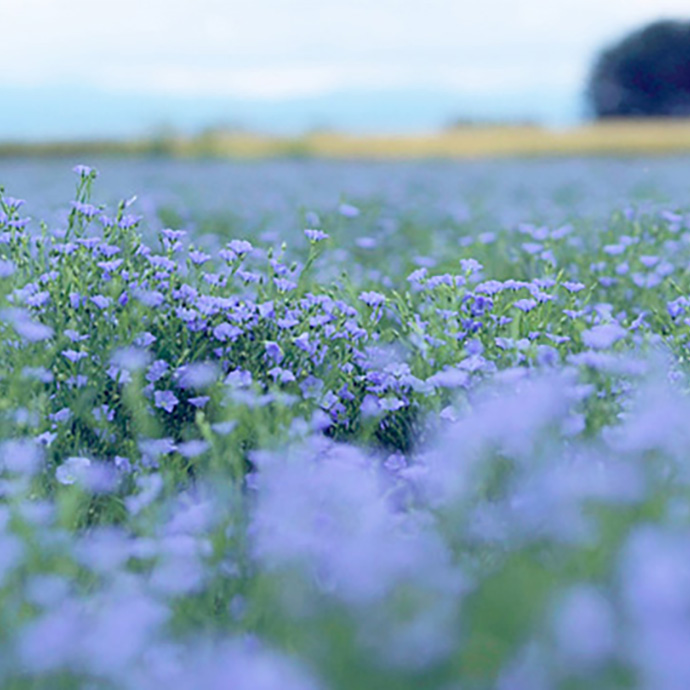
84 171
348 211
571 286
198 257
73 355
315 235
273 351
165 400
525 305
281 375
101 301
240 247
73 470
157 370
604 336
285 285
372 299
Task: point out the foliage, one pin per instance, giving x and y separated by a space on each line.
647 74
462 461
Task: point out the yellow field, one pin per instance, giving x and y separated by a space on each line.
613 138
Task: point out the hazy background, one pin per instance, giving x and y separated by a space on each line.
85 69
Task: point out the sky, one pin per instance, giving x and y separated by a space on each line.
177 52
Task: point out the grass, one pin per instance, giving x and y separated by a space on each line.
435 456
624 137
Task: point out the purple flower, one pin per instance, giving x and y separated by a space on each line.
304 343
89 242
110 266
19 224
676 307
490 287
273 351
390 404
74 336
547 355
157 370
604 336
285 285
248 276
192 449
162 262
224 428
28 329
21 456
150 485
281 375
39 299
130 358
525 305
78 381
266 310
238 378
532 247
226 331
348 211
13 203
315 235
101 301
61 415
46 438
73 355
614 249
84 171
585 627
572 286
366 242
280 268
39 373
665 268
122 464
197 375
128 221
198 257
173 235
88 210
72 470
165 400
199 400
649 261
150 298
7 268
372 299
122 376
156 447
103 412
186 315
470 266
145 339
417 276
449 378
237 248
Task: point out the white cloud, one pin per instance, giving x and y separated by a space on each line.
270 48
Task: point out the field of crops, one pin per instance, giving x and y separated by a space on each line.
314 425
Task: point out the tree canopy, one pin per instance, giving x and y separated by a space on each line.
647 74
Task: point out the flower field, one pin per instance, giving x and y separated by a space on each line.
350 427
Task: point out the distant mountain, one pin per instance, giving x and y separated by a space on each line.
69 113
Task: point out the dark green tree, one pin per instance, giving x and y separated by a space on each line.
647 74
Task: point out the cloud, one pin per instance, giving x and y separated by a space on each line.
269 48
